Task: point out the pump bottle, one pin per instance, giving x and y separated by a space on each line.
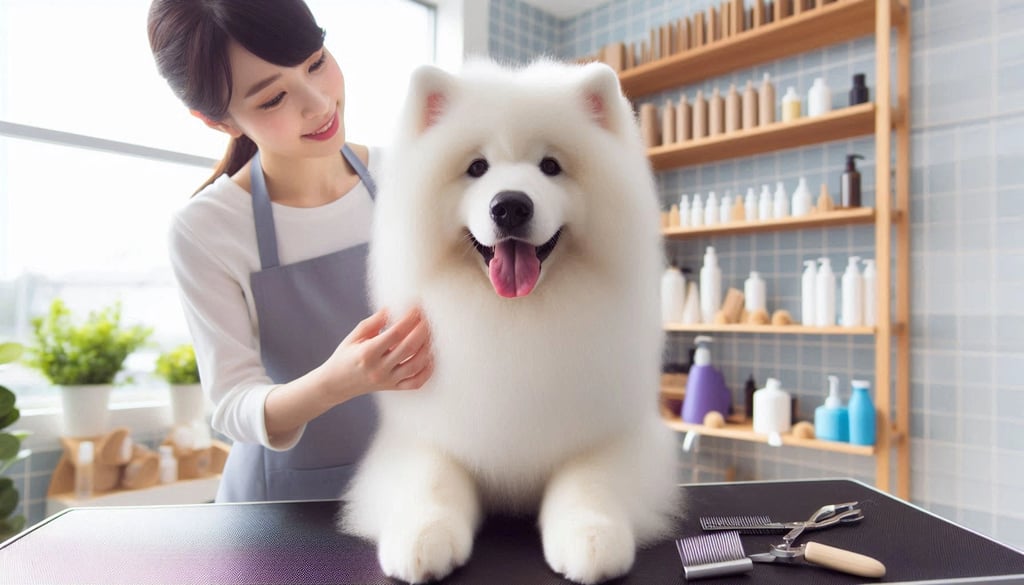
825 294
853 295
710 286
705 387
808 312
849 186
832 419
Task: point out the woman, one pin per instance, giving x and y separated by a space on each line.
269 254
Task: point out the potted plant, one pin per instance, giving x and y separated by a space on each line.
178 367
83 359
10 450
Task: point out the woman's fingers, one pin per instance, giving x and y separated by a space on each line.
414 343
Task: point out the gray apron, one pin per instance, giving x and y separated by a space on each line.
305 310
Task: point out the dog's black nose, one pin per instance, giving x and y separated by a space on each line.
511 209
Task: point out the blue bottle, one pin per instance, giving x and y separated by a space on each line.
862 414
832 419
705 387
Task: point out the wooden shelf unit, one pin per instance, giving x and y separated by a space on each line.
839 124
889 120
745 432
770 329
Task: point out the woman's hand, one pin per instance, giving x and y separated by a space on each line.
373 357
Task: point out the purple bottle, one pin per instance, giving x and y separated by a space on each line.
705 387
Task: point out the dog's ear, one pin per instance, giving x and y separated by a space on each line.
602 96
430 92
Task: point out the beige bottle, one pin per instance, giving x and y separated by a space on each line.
700 116
750 105
684 120
716 114
791 107
766 101
668 123
648 125
733 110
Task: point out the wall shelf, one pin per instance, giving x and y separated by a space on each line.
839 124
745 432
823 26
770 329
852 216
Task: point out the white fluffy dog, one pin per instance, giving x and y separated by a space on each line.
519 211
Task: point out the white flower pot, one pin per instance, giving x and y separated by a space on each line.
85 409
188 403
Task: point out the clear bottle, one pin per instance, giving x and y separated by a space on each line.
825 293
802 204
853 295
711 211
673 294
764 204
790 105
697 211
710 286
870 294
780 207
754 293
808 295
862 414
85 471
766 102
819 98
750 205
168 465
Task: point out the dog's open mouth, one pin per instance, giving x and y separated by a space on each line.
514 265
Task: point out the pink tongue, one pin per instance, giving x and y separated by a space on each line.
514 270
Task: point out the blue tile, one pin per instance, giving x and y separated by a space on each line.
1010 333
942 397
1009 16
1009 371
959 83
1009 136
1010 434
976 368
977 431
951 22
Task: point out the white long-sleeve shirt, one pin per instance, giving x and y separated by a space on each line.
213 253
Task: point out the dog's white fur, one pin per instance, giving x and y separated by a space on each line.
544 403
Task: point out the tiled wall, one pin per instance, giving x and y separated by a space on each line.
967 247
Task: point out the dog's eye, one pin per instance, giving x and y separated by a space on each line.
477 168
550 166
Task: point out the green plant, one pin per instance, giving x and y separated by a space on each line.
178 366
10 450
92 352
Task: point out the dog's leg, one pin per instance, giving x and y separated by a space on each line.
426 511
585 529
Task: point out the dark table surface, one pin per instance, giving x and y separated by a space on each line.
296 542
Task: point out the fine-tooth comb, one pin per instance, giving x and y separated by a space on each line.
743 524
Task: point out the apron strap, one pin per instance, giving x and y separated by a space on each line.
263 212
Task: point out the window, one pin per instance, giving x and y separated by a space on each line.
96 152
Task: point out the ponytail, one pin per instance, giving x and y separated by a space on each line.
239 151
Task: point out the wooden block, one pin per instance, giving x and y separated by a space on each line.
732 306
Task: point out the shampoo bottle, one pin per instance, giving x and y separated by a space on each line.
808 312
766 102
85 470
859 91
862 414
825 294
764 204
725 210
849 185
750 205
870 294
754 293
802 204
711 211
819 98
832 419
853 295
733 110
750 106
705 387
790 105
700 116
772 409
781 203
710 287
684 210
716 114
673 294
684 120
697 211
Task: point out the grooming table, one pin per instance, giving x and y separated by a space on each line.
296 542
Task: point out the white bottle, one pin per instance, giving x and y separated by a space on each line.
781 204
754 295
168 465
870 294
764 204
853 295
750 205
802 203
725 209
673 295
772 409
691 309
710 286
684 210
711 209
84 470
819 98
825 292
808 312
697 211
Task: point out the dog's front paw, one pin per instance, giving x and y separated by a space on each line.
422 552
589 550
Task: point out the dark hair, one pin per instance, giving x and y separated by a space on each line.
190 38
